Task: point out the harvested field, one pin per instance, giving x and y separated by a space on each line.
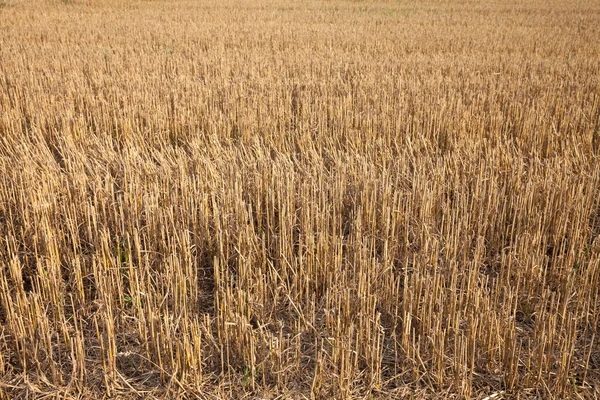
283 200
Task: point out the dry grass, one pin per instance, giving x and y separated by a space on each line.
274 199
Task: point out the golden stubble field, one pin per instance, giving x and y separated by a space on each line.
320 199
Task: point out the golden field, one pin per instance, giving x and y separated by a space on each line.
283 200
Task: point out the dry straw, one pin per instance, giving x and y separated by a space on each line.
322 200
